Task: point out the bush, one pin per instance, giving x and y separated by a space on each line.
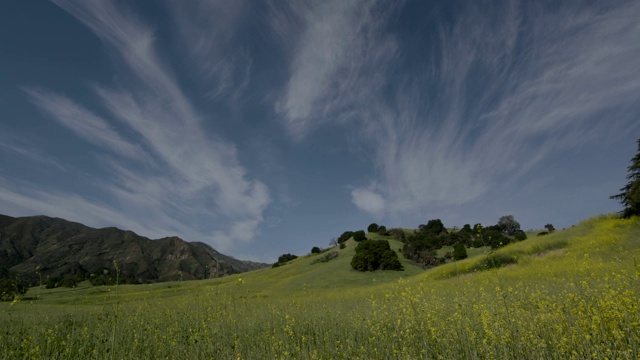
397 234
12 288
374 255
373 227
328 257
316 250
345 236
342 246
459 252
359 236
543 233
286 257
382 230
520 235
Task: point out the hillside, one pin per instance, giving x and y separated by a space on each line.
569 295
58 248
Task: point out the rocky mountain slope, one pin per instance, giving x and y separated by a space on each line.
59 248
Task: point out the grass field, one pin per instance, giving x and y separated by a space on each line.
570 295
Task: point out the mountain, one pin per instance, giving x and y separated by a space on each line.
58 247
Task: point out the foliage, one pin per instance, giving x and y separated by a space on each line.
373 227
550 228
326 258
543 233
508 225
397 234
629 195
345 236
459 252
575 304
374 255
284 258
520 235
359 236
382 230
12 288
433 228
316 250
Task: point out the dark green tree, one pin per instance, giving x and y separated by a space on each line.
359 236
286 257
629 195
374 255
433 228
459 251
508 225
550 228
11 288
373 227
315 250
382 230
345 236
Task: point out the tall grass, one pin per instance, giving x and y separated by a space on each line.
580 302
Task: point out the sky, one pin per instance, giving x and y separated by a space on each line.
269 127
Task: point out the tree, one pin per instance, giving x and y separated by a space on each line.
550 228
12 288
359 236
382 230
286 257
629 195
459 252
345 236
374 255
315 250
508 225
373 227
433 228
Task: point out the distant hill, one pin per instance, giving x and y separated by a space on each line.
60 248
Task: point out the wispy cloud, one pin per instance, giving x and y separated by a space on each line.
203 173
209 33
505 88
83 122
336 45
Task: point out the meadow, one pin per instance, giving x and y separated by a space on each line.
569 295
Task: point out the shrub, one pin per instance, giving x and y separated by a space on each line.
359 236
397 234
11 288
382 230
345 236
326 258
459 252
374 255
286 257
343 245
543 233
520 235
316 250
373 227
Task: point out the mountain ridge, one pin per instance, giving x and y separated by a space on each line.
57 247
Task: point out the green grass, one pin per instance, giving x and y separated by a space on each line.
570 295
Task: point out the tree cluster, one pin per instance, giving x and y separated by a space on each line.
284 258
12 288
421 246
374 255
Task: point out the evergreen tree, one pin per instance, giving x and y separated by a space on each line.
629 195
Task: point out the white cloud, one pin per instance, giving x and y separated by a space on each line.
208 33
505 87
194 173
83 122
332 46
368 201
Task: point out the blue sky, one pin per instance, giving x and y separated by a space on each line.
267 127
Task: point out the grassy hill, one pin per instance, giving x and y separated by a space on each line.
571 294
